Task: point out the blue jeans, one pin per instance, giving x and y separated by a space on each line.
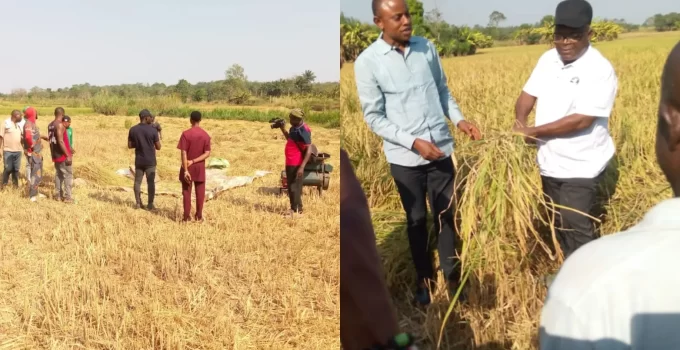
12 164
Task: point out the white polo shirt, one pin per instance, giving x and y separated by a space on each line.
621 291
587 86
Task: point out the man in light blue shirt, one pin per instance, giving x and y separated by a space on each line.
404 97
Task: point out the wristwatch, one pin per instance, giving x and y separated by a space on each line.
401 341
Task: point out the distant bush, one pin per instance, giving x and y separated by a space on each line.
109 104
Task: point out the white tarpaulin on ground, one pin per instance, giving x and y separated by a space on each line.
216 181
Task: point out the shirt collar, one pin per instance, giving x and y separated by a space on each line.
385 48
662 216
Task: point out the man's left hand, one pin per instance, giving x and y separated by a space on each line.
300 172
528 132
470 130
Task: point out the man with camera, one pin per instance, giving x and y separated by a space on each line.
298 151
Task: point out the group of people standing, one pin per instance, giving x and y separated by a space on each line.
194 146
608 292
21 137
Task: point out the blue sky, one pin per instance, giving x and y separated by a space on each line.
55 44
521 11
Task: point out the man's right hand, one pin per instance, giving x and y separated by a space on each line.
427 149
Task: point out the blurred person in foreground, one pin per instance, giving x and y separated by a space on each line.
61 157
575 86
405 100
145 141
12 148
298 151
621 291
33 150
367 317
194 146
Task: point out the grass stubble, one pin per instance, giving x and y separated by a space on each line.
507 245
101 275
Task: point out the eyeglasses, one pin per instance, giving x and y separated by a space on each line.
568 37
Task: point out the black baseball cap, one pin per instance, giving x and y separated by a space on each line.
144 113
66 118
574 13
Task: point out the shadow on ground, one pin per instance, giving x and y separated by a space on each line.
111 198
269 208
270 191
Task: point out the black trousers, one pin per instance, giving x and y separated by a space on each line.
415 184
573 229
294 188
150 172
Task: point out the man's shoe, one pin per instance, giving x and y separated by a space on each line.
139 205
422 296
453 289
150 207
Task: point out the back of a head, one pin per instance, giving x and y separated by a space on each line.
144 114
668 126
195 117
670 79
58 112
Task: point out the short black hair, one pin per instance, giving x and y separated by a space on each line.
195 116
144 113
375 5
670 91
16 111
59 111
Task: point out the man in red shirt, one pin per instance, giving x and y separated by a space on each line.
195 146
298 152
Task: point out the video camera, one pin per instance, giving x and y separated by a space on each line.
277 123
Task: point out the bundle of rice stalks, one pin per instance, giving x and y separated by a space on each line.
501 210
96 175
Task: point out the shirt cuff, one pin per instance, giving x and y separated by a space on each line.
455 115
406 140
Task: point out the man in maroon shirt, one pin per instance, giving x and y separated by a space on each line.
195 146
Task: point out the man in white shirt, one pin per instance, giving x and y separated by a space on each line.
575 87
622 291
12 148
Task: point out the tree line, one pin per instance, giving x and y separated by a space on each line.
664 23
235 88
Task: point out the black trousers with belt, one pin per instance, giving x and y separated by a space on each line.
414 184
573 229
